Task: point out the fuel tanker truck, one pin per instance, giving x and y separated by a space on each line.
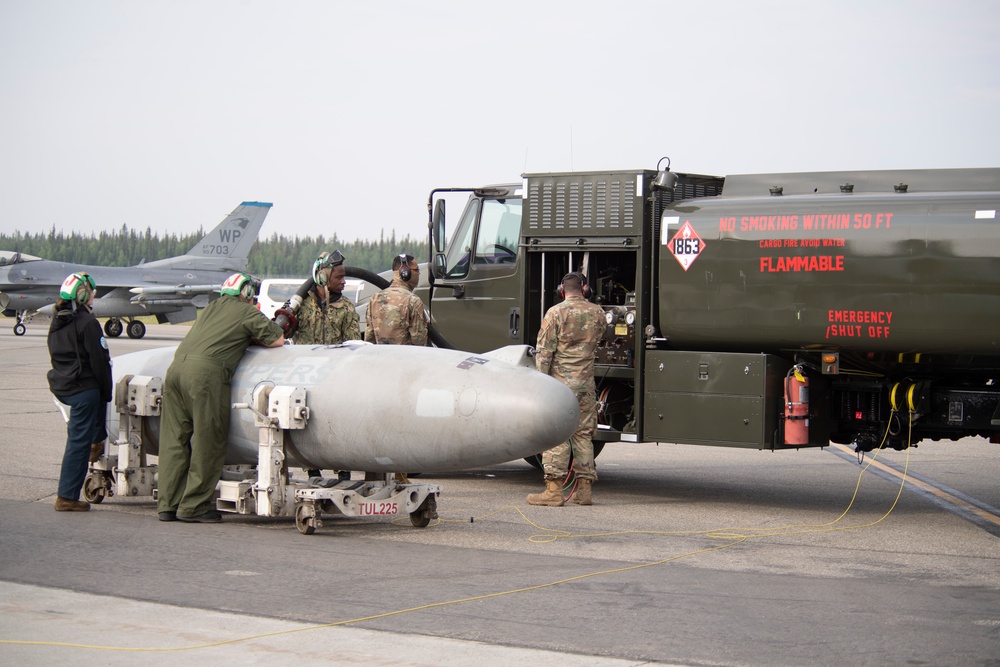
767 311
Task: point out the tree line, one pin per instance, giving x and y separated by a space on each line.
276 257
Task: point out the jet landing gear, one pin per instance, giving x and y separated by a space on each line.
22 319
113 328
136 329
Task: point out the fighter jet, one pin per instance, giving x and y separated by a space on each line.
172 288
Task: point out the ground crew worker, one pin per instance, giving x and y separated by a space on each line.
326 316
396 316
194 420
80 378
567 341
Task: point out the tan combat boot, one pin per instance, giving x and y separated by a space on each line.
67 505
551 497
581 496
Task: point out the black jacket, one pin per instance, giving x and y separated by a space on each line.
80 357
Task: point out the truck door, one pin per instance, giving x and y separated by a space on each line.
475 305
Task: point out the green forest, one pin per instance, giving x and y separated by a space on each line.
274 257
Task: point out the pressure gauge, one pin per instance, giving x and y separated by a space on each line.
630 318
610 317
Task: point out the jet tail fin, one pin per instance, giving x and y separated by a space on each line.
227 246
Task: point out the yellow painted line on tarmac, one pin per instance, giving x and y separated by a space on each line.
930 488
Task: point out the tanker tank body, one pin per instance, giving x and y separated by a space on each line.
388 408
884 284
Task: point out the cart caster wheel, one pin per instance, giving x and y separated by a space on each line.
306 520
93 490
427 511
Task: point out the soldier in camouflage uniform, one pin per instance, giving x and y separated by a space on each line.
566 345
326 316
395 316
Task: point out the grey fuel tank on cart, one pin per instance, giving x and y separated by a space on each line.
386 408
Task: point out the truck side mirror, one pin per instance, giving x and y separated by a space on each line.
440 265
437 227
438 234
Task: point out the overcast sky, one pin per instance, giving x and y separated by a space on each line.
167 114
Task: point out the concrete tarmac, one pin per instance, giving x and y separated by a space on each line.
52 626
691 555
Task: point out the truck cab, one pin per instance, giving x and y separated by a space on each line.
514 242
479 276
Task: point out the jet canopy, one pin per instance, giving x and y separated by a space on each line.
8 257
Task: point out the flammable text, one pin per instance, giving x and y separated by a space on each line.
807 263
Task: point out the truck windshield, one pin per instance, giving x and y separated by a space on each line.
496 240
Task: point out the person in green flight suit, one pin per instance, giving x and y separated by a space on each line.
194 420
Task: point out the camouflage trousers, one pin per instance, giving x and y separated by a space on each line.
580 446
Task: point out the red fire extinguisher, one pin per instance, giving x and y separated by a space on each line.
796 407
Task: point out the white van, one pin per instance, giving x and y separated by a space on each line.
274 292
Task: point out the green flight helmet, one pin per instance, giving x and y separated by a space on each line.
71 288
239 284
326 260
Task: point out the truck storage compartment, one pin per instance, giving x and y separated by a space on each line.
714 398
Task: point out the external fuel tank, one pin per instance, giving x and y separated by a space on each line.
392 408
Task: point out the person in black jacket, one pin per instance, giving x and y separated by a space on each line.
80 378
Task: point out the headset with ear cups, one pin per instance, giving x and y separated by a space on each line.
71 288
319 273
248 290
239 284
404 269
585 288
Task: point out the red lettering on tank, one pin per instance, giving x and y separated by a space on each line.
843 331
807 263
862 316
863 220
769 223
826 221
858 323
